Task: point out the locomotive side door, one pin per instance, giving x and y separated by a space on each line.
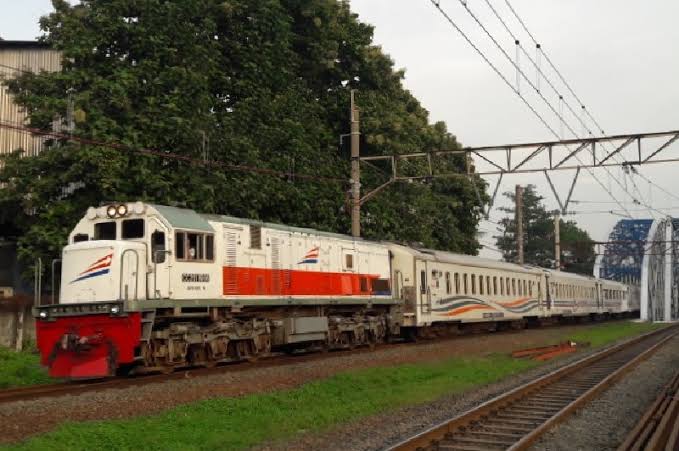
158 283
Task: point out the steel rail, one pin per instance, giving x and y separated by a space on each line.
78 387
658 429
515 420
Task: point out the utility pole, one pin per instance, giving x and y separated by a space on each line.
519 223
557 241
355 169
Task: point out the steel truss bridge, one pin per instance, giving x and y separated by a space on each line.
645 254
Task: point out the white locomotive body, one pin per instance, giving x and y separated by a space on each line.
159 287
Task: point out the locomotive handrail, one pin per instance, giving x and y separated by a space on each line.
155 270
136 274
37 282
54 295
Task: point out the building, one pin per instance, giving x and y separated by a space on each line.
15 57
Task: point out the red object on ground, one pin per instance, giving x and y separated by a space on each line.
548 352
555 353
87 346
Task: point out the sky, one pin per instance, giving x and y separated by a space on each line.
619 56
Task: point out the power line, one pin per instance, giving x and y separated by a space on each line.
170 155
516 91
525 77
572 92
16 69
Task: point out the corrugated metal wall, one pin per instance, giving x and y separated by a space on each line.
12 61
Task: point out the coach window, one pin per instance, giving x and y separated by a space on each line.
509 286
530 288
488 285
502 286
513 287
473 283
465 283
495 285
525 288
457 283
349 261
481 290
447 283
423 282
105 231
158 247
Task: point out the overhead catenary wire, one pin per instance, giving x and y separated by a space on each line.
508 83
534 87
572 92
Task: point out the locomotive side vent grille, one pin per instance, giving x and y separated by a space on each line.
231 280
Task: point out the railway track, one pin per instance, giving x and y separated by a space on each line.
658 429
518 418
76 388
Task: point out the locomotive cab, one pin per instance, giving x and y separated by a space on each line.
88 332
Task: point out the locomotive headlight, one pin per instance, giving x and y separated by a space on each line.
43 314
122 210
115 309
111 211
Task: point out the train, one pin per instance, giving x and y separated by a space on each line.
149 287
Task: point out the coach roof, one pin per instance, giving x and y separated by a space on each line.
468 260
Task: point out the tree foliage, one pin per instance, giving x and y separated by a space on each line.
577 248
261 84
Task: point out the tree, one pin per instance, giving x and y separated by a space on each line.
577 248
258 84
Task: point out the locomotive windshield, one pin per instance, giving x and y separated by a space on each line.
133 228
105 231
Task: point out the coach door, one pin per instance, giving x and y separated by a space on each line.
548 293
599 299
158 282
424 292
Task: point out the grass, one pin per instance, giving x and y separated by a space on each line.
239 423
602 334
20 369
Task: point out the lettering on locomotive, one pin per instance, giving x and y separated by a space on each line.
195 278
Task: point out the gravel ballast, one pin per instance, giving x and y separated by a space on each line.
384 430
20 420
604 423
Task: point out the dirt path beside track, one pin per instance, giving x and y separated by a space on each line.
23 419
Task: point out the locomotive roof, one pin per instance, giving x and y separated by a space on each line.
270 225
184 218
